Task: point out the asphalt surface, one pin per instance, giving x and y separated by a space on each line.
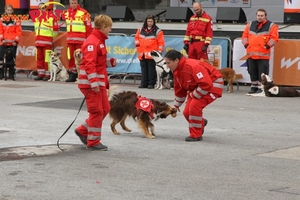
250 150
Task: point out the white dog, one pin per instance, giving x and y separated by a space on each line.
57 71
162 71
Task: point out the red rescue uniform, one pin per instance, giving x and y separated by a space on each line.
201 83
78 27
198 34
93 74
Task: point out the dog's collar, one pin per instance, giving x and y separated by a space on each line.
59 69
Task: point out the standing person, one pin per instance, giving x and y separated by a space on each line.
10 34
93 82
200 82
79 27
198 34
148 38
258 38
45 32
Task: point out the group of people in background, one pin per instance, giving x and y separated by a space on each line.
45 31
196 82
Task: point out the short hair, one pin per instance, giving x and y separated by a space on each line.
8 6
102 21
149 17
262 10
173 55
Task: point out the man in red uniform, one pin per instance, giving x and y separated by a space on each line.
200 82
93 82
45 32
198 34
258 38
78 27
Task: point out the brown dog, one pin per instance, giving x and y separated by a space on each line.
230 76
142 110
77 58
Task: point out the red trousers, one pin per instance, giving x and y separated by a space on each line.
71 49
41 64
193 114
98 107
195 51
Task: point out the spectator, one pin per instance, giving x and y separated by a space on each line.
200 82
10 34
198 34
79 27
45 31
258 38
93 82
148 38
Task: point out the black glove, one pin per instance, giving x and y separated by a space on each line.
246 45
204 48
267 46
186 48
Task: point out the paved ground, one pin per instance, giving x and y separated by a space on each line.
251 149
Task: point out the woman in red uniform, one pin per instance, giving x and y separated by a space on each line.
200 82
93 83
10 34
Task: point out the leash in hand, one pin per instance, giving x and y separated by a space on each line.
71 122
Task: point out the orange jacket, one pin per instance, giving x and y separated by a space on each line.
199 28
258 38
10 30
148 40
198 78
78 25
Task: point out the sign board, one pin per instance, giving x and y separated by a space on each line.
212 3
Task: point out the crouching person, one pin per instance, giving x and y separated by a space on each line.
197 81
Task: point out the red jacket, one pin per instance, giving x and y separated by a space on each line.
10 30
74 19
94 62
199 28
196 77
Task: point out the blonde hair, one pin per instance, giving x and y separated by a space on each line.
8 6
102 21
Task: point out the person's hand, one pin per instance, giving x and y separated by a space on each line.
15 43
267 46
186 48
178 110
204 48
113 62
246 45
96 89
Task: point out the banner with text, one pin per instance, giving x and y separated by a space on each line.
212 3
120 47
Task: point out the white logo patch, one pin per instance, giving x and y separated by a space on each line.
101 46
200 75
90 48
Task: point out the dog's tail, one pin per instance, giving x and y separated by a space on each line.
111 92
238 76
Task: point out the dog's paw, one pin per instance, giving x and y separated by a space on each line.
150 136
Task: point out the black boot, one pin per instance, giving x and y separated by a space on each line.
72 77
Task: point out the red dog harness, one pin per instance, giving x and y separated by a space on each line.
145 105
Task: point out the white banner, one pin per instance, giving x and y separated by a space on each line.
239 58
212 3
